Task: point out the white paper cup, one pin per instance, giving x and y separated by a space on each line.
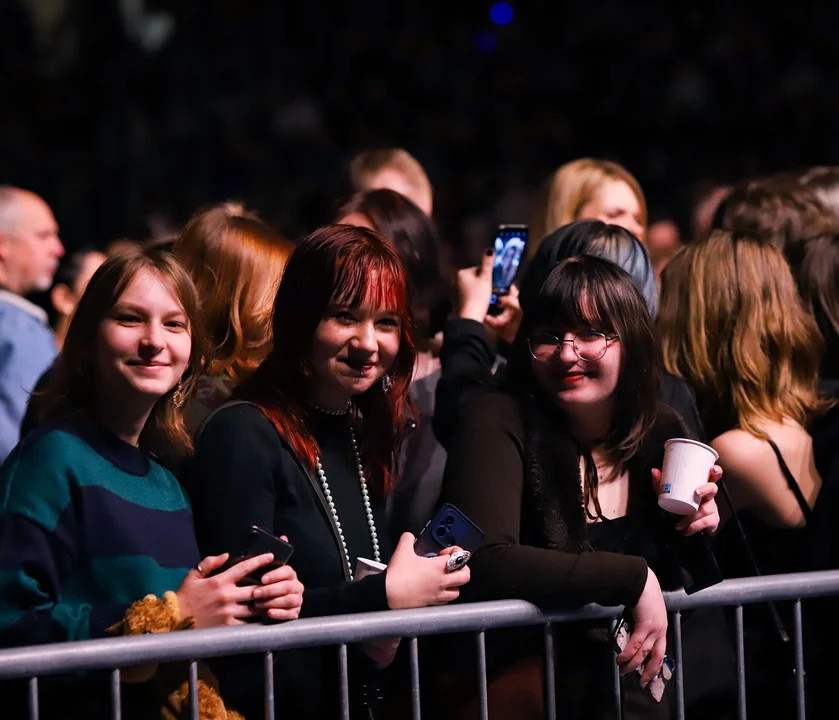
687 464
365 567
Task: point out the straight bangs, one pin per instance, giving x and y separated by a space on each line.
590 292
376 282
569 300
349 266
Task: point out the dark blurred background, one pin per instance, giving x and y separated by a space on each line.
126 115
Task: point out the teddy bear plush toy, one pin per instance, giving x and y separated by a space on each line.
168 682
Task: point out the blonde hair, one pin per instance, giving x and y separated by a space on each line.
732 325
236 263
368 162
570 188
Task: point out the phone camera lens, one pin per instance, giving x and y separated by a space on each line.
441 532
449 519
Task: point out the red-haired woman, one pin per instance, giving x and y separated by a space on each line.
309 454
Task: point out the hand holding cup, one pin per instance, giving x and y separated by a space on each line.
687 485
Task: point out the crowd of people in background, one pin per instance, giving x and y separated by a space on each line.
335 390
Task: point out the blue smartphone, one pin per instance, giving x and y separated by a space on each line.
510 242
448 527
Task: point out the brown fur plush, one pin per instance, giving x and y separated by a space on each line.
169 681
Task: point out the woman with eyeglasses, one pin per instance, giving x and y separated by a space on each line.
559 468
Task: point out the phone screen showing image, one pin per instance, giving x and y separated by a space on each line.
510 242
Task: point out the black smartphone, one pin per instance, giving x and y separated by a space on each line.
510 242
259 542
448 527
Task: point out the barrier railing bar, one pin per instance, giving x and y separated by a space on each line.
618 700
325 631
413 652
799 661
680 678
480 638
344 673
116 695
549 672
193 690
616 678
741 663
33 698
268 671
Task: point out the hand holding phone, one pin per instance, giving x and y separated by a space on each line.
412 581
260 541
510 242
448 528
620 637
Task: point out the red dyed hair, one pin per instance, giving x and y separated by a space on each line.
340 265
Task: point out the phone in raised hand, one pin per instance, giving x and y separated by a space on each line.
510 243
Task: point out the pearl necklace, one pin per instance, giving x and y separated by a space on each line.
365 496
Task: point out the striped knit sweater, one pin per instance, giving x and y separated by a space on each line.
88 524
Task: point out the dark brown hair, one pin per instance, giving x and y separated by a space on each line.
588 290
823 182
343 265
71 391
415 237
775 209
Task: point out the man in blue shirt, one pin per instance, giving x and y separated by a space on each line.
29 253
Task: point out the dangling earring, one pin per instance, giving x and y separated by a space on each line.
179 396
386 383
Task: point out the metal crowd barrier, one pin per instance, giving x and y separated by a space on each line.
35 661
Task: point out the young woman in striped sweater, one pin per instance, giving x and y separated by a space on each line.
89 519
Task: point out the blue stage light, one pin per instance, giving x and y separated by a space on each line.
501 13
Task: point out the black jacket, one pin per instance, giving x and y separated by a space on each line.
244 474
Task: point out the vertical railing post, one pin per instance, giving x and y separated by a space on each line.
345 681
680 678
800 700
741 663
482 674
550 673
268 671
34 712
616 681
413 652
116 695
193 690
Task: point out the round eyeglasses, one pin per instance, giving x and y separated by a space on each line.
589 346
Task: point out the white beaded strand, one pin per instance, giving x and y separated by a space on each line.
365 496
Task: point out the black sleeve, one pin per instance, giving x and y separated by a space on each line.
679 396
231 478
466 360
366 595
484 478
239 460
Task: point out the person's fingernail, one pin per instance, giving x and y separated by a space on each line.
489 252
644 685
699 493
257 593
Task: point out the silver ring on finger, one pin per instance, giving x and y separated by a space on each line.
457 560
200 569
